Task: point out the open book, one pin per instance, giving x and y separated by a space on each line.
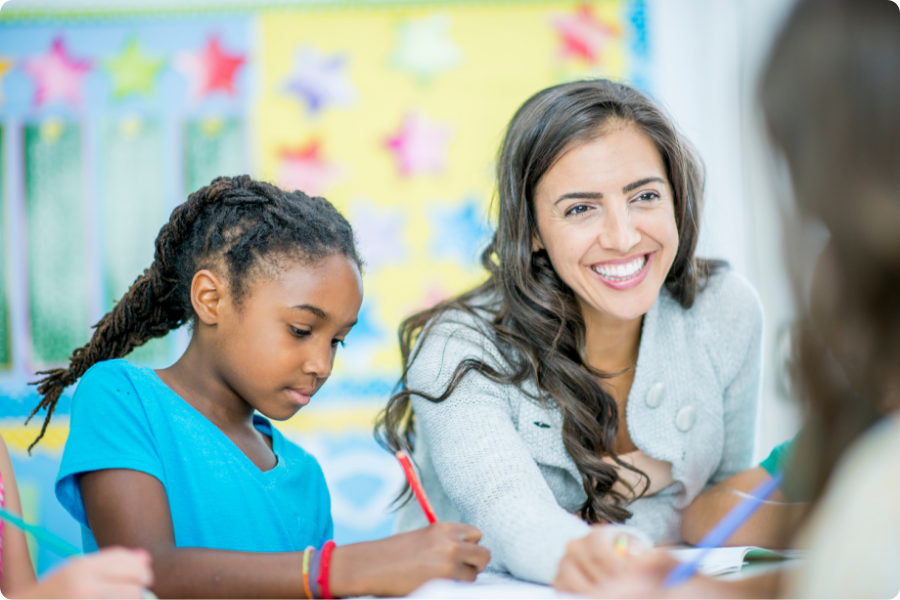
728 560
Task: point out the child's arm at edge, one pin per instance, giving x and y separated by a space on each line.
770 527
18 572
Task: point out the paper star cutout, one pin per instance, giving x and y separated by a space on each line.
583 35
380 234
420 147
461 231
424 48
5 66
305 169
57 76
210 69
132 71
319 80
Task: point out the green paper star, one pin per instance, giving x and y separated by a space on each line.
132 71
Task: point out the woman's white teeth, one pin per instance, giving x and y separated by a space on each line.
620 272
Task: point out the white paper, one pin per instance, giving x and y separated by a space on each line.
488 585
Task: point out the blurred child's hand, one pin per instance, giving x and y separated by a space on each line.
110 573
397 565
601 565
598 558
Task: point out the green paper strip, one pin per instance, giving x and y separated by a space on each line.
57 273
133 208
214 148
4 253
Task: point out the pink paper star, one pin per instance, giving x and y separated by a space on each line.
209 69
305 169
583 35
420 147
57 76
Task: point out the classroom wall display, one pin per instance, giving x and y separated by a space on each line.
393 111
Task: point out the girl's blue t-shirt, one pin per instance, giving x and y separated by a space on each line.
125 417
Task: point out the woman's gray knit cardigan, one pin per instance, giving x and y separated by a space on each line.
492 457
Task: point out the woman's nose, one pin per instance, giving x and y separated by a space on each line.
618 233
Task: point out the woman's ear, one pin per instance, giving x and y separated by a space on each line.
207 294
536 244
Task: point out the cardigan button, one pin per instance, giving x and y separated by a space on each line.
655 395
685 418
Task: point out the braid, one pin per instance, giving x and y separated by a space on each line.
236 221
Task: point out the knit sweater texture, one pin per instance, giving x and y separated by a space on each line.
493 457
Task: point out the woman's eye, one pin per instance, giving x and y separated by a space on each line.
300 332
578 209
647 197
335 342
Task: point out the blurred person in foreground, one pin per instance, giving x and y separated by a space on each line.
831 100
110 573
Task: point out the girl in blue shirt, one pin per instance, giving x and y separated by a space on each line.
183 461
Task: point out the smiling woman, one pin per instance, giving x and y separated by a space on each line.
597 320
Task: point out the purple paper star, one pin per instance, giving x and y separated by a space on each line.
319 80
380 234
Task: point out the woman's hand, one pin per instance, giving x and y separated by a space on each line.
397 565
111 573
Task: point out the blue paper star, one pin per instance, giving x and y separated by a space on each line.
461 232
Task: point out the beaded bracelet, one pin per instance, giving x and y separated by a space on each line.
314 564
306 556
324 567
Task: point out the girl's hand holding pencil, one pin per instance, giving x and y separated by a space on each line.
397 565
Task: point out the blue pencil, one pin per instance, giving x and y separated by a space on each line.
51 540
730 523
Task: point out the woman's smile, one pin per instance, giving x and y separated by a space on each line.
623 273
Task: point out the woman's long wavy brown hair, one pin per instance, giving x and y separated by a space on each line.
233 224
830 96
538 326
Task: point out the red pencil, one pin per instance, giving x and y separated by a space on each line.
416 486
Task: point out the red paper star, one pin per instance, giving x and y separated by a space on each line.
583 35
57 76
306 169
210 69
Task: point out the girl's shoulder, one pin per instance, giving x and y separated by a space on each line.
116 381
115 367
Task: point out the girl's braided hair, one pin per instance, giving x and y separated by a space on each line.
233 223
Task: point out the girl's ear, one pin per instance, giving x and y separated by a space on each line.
207 294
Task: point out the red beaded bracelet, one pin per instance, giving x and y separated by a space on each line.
324 567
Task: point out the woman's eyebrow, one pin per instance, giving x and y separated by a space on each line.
641 182
579 196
